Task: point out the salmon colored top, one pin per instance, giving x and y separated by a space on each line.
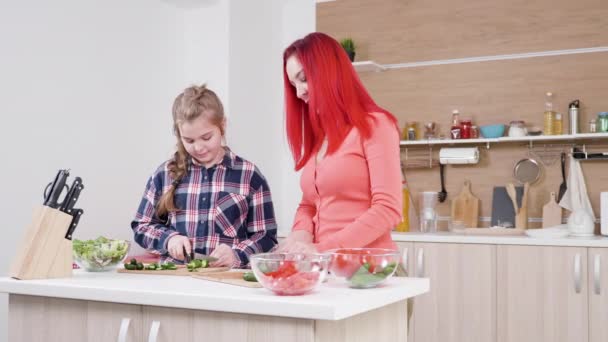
352 198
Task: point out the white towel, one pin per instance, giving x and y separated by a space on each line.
576 196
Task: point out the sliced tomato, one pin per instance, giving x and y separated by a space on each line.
286 269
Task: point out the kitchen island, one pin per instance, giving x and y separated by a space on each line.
112 306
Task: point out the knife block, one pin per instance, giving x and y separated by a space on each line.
44 251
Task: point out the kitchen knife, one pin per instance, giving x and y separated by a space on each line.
56 187
187 256
76 214
70 199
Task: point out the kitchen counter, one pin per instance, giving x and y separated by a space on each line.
333 305
447 237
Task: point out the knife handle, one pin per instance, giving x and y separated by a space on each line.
75 218
70 199
56 188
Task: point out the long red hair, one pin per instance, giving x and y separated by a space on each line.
337 100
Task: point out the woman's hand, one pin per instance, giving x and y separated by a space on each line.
298 247
225 256
176 246
295 242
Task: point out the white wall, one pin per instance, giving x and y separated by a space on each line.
88 85
257 121
85 85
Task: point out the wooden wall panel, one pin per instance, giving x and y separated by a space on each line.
489 92
398 31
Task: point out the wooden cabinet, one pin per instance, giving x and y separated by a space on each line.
598 294
542 294
461 305
34 318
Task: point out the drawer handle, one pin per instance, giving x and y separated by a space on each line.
404 258
154 331
420 264
596 274
124 329
577 273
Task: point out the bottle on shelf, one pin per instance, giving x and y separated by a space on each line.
573 116
549 116
456 129
558 124
404 226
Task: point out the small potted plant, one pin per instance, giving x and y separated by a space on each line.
349 47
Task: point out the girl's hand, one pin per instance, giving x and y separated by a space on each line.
176 245
225 256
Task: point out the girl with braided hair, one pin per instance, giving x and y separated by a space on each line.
205 199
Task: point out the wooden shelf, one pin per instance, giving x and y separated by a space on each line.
366 66
487 141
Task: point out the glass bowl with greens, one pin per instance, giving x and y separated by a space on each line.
101 254
363 267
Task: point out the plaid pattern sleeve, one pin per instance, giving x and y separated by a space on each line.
149 230
261 225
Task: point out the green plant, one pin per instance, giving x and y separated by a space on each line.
348 44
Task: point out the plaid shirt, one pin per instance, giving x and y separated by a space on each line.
228 204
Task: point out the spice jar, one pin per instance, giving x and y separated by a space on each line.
412 130
517 128
474 132
455 130
465 129
592 126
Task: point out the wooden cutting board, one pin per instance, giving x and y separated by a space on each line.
180 271
230 277
552 213
465 207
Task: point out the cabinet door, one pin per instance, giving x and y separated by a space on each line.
114 322
182 325
461 304
598 294
169 325
33 318
407 259
542 294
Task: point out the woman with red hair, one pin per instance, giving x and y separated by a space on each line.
347 148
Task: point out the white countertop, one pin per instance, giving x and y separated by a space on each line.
447 237
331 301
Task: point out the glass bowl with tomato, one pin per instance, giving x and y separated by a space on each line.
290 274
363 267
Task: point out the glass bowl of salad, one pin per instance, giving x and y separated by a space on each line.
290 274
363 267
101 254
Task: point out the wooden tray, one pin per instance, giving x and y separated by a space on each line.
230 277
180 271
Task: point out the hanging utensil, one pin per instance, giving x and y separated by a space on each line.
527 171
562 187
442 195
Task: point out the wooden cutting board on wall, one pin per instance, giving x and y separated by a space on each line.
552 213
465 207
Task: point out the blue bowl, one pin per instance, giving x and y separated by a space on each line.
492 131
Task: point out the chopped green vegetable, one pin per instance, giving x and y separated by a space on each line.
249 276
196 264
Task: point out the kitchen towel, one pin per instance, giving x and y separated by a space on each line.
576 196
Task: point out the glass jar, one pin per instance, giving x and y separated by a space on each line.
465 127
517 128
455 130
592 126
474 132
412 130
602 122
